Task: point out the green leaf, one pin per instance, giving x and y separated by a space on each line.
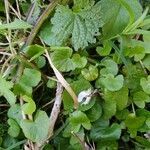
133 123
107 145
133 77
145 83
135 25
91 73
143 112
114 11
82 4
140 98
144 142
10 143
14 128
29 107
80 62
15 113
61 58
16 24
74 140
2 6
138 52
105 50
146 62
119 97
112 83
77 119
109 109
1 140
34 51
40 61
51 84
82 25
122 115
36 130
29 79
77 86
85 107
109 133
148 122
5 91
110 67
95 112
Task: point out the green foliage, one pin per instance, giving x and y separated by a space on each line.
14 128
105 132
91 73
34 51
114 24
14 112
61 58
16 24
145 83
29 79
5 91
105 50
137 122
110 67
82 24
34 130
140 98
29 107
112 83
109 145
102 50
77 119
78 86
119 97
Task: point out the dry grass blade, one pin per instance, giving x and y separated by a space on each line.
63 81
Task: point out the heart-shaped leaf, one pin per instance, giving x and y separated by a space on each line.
133 123
14 128
145 83
29 79
77 119
140 98
5 91
110 67
29 107
105 50
91 73
61 58
110 133
112 83
36 130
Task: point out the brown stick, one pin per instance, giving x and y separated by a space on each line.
55 109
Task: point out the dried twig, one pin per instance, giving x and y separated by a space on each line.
4 105
63 81
55 109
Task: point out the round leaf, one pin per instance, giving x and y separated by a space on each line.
112 83
145 83
91 73
110 67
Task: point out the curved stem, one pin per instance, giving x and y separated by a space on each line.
40 21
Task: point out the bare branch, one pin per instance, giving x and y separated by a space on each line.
55 109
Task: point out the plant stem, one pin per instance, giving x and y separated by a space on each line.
40 21
55 109
63 81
